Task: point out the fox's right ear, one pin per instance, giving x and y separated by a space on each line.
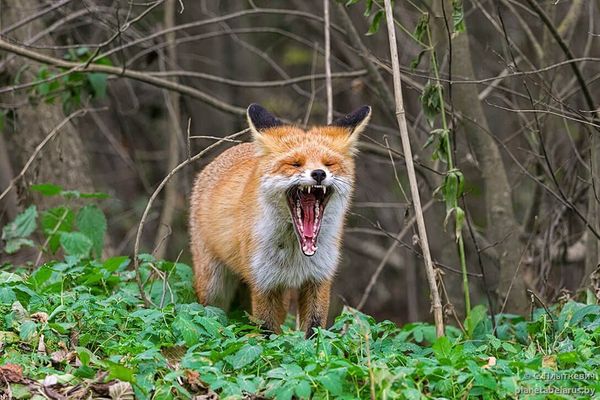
355 122
260 120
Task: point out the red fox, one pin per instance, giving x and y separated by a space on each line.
271 212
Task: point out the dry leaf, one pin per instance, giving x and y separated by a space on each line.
50 380
62 355
11 373
491 362
208 396
121 391
39 316
549 361
41 345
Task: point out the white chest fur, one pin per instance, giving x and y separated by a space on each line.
278 260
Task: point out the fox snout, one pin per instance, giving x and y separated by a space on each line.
318 175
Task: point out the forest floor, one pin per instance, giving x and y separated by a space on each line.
77 328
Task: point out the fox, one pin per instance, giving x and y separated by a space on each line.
271 212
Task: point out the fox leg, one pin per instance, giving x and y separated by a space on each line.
270 308
214 283
313 305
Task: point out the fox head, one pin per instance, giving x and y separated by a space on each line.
309 172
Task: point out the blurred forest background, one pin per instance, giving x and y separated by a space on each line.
114 94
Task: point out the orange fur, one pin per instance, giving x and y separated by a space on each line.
226 207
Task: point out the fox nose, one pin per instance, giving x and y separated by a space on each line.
318 175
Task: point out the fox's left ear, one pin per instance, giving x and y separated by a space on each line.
260 119
355 122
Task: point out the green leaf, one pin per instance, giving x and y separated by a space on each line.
430 100
375 23
583 312
116 263
332 382
13 245
121 372
7 296
98 82
368 8
442 348
188 330
23 225
40 276
94 195
421 28
92 223
303 390
27 330
76 244
247 354
417 60
475 323
47 189
458 16
54 222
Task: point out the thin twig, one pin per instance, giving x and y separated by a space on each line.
387 256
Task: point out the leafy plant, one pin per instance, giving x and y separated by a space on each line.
70 86
78 231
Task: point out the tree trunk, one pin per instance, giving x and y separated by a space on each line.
64 160
502 226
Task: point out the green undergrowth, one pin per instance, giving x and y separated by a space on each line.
78 327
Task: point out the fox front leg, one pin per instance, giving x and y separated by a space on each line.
270 308
313 304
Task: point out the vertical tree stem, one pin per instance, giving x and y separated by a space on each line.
328 62
436 305
167 214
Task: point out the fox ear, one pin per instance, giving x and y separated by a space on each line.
260 119
355 122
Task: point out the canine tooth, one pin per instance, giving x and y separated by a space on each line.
309 189
324 189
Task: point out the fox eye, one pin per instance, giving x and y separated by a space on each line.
296 164
328 163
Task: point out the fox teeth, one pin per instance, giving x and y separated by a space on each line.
298 213
317 209
324 189
309 189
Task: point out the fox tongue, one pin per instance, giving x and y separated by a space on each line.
308 202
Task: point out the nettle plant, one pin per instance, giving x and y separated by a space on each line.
441 135
70 87
76 229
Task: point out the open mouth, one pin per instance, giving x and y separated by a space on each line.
307 206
